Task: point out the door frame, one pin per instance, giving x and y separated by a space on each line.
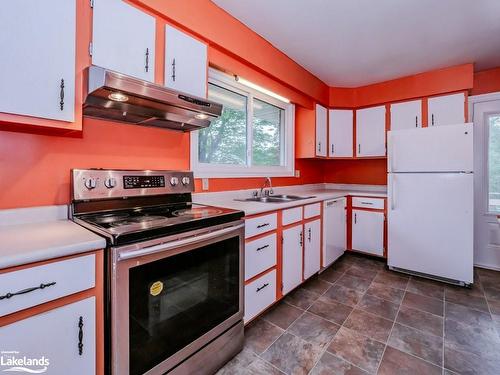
481 202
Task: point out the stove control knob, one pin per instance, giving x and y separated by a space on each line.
110 183
174 181
90 183
185 180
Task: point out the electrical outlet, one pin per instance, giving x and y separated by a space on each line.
204 183
297 173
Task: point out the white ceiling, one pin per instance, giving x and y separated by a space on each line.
350 43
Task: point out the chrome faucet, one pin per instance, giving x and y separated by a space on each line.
264 192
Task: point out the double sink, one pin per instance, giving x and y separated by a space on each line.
282 198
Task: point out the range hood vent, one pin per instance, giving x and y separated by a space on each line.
117 97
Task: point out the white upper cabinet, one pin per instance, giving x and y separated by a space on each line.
321 123
370 131
446 110
123 39
340 128
37 67
185 63
406 115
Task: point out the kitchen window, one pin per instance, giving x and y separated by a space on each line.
253 136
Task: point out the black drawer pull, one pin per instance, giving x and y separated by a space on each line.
370 203
28 290
263 225
262 287
262 247
80 335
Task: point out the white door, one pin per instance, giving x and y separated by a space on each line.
292 257
368 231
430 223
370 131
334 230
406 115
446 110
340 124
485 111
185 63
54 335
123 39
431 149
312 248
37 66
321 123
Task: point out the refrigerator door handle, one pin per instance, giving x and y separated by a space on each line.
393 192
391 155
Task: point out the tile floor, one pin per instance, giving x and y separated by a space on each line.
359 318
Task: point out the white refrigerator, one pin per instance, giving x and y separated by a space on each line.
430 202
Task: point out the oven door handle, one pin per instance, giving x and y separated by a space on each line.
176 244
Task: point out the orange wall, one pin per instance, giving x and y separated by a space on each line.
360 171
486 81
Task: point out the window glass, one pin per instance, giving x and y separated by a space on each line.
494 163
225 140
267 124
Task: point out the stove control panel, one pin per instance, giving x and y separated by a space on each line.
90 184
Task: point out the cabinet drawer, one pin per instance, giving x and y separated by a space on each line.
44 283
291 215
375 203
260 224
312 210
259 295
260 255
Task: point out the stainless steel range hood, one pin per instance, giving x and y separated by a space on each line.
117 97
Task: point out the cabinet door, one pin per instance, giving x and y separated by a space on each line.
334 230
340 135
123 39
37 67
447 109
292 257
406 115
55 336
321 122
185 63
368 231
370 131
312 248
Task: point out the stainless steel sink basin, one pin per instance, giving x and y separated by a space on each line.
275 199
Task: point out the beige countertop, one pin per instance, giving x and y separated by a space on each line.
320 192
30 235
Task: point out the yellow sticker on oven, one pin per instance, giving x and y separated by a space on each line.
156 288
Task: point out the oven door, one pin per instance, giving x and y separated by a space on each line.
170 299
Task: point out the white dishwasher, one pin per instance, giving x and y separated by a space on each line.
334 229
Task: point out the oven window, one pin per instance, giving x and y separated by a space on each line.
174 301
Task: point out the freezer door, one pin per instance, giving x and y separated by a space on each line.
433 149
430 224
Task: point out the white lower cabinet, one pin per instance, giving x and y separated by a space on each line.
55 336
292 257
368 231
259 294
312 248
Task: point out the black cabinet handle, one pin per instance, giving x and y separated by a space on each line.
27 290
355 219
309 234
332 149
301 238
416 121
80 335
147 60
319 146
432 119
262 287
359 148
61 95
262 225
173 70
262 247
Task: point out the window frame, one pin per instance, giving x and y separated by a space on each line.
287 136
